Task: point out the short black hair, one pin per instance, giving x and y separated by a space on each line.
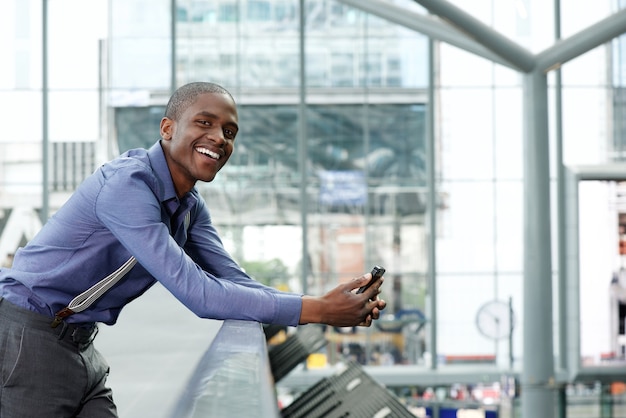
185 95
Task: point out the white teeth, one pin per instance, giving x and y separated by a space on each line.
210 153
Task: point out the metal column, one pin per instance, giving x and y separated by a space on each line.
303 151
537 382
45 143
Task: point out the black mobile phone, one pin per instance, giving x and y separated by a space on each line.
377 273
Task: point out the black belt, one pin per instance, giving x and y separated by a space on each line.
80 335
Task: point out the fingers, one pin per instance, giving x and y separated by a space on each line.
374 290
374 307
366 322
374 304
363 308
359 281
381 304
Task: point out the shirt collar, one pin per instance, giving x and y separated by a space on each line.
162 171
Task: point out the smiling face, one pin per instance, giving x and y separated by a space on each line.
199 142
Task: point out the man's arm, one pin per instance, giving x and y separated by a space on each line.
339 307
205 247
216 292
139 228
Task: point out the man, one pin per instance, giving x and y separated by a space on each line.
141 206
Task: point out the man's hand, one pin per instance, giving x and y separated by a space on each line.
342 307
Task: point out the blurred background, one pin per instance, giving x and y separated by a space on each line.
361 142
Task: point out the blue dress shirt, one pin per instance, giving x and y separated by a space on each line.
129 207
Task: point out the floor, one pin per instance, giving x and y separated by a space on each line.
152 351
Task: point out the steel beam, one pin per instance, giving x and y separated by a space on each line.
582 42
503 47
428 25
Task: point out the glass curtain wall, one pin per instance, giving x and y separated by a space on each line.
50 138
480 129
365 112
74 71
593 115
20 97
365 174
479 240
480 231
50 109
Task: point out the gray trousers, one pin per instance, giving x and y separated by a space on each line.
50 372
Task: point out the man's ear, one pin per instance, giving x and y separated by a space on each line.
167 126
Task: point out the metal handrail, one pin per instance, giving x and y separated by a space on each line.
233 377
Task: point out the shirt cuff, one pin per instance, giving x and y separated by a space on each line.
289 309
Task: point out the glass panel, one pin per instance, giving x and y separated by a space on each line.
258 10
467 137
461 317
140 44
453 58
574 18
74 115
269 52
150 68
581 123
137 127
508 141
228 12
21 34
130 19
509 226
466 242
73 59
602 247
25 109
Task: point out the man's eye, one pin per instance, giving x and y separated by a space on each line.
229 134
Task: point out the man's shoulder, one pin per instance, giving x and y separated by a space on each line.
144 165
134 159
139 154
129 167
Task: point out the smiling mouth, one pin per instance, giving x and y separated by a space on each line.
208 153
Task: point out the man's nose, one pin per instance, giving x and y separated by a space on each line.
217 135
